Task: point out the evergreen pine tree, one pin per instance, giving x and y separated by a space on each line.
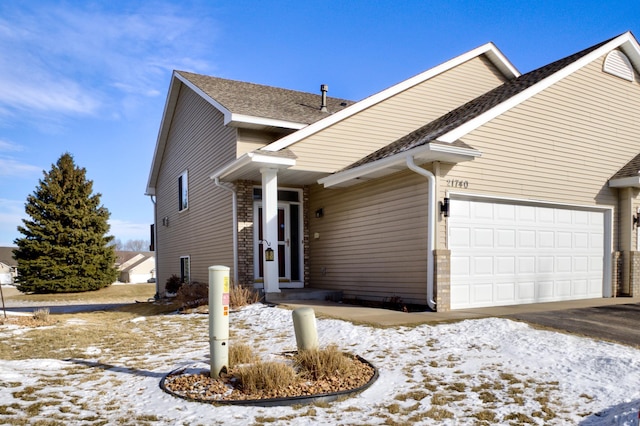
65 247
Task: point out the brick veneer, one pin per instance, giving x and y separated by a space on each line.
634 274
442 279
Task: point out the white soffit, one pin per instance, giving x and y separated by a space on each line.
489 49
253 160
628 182
625 41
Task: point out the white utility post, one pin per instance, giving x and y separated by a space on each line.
219 319
270 228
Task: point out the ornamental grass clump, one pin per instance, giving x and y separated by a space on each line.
320 364
266 377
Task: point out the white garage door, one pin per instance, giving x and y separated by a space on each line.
506 254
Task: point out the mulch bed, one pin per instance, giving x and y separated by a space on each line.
199 386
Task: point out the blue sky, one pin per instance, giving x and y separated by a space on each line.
91 77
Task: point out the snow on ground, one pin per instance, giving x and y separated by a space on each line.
487 371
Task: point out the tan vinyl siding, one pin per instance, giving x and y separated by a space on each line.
349 140
249 140
372 239
561 145
198 143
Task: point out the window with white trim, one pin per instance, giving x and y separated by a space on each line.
183 191
185 269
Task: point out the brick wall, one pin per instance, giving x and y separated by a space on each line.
616 273
442 280
634 274
244 191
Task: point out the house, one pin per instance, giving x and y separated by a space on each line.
135 267
468 185
8 266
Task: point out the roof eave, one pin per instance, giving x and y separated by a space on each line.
627 182
488 49
251 160
625 41
392 164
169 109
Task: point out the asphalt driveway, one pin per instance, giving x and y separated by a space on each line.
616 323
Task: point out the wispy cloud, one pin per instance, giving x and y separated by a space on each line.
87 59
15 168
125 230
11 215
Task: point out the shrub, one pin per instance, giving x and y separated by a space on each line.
192 295
173 284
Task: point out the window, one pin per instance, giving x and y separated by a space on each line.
185 269
183 192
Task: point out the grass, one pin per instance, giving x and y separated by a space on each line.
319 364
113 293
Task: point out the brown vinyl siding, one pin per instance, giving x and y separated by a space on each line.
372 239
198 143
349 140
562 145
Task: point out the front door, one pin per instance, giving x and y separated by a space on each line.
288 244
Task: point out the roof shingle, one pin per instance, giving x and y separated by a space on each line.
265 101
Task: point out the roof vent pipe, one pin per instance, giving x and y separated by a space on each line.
324 89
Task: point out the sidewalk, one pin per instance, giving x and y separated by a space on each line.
389 318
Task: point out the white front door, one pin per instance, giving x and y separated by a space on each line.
505 253
288 245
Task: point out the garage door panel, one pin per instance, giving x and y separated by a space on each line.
510 254
482 266
505 292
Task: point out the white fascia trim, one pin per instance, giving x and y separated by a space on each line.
500 61
473 124
261 121
357 172
203 95
163 133
253 158
628 182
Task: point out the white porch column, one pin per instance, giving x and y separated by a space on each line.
270 228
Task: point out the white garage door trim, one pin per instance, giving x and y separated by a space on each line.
508 252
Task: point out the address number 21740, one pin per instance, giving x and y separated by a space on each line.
456 183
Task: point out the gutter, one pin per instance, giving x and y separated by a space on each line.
234 199
155 243
431 226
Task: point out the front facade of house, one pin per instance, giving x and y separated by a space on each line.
468 185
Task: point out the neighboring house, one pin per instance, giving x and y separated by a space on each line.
465 186
8 266
135 267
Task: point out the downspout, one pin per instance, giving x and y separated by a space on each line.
431 226
234 209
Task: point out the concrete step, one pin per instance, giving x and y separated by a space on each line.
289 294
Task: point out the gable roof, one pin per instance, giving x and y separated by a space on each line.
450 127
489 50
245 105
238 99
6 256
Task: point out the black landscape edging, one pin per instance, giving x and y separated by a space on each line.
274 402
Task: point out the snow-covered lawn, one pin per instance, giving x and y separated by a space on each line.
487 371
